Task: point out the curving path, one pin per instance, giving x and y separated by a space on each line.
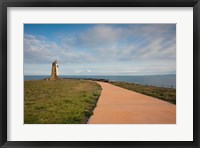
117 105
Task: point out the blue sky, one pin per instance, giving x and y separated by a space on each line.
100 49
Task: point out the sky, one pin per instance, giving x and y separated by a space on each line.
100 49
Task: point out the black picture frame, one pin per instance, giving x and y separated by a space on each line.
4 4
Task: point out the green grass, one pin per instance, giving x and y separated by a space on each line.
59 102
166 94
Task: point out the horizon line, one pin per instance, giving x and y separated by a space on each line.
96 74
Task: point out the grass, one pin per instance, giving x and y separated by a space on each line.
59 102
166 94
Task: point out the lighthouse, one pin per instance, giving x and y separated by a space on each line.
54 71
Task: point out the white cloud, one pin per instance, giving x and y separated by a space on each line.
110 45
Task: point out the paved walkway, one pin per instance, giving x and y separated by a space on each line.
121 106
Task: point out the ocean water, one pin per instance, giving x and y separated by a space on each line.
168 81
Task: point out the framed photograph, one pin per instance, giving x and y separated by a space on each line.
99 73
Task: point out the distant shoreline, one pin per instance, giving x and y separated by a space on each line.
166 81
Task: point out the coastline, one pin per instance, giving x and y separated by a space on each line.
166 81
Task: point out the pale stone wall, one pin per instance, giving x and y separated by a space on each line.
57 70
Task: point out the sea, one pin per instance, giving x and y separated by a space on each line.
166 81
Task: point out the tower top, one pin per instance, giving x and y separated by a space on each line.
55 62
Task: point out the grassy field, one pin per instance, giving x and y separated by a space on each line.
167 94
59 102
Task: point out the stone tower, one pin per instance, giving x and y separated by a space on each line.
54 71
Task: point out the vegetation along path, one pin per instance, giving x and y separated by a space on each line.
59 102
117 105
